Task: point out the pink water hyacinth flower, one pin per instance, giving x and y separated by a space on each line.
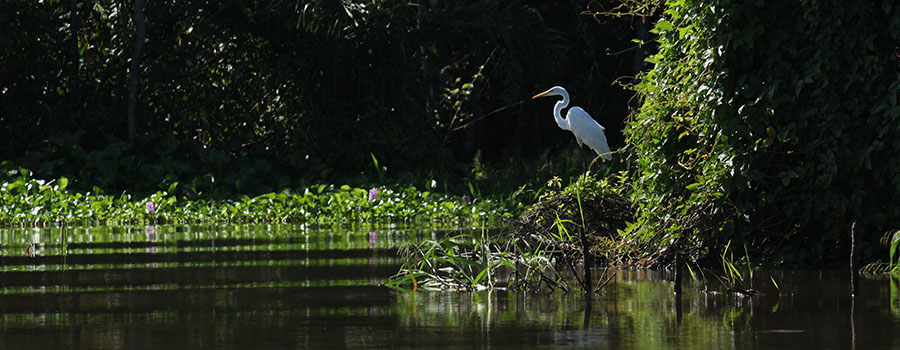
467 199
373 194
150 208
373 240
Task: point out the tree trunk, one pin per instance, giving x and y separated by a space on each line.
140 32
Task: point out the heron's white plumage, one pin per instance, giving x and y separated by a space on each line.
586 130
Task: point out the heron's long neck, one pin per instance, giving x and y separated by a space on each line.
557 113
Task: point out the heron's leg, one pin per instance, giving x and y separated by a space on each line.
584 164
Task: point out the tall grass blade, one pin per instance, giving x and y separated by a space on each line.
895 245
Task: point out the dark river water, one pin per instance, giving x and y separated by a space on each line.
288 287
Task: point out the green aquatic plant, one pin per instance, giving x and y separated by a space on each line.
457 262
533 254
732 278
892 240
25 201
470 261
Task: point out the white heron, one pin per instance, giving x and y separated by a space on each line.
586 129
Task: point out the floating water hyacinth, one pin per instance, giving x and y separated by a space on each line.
325 204
373 194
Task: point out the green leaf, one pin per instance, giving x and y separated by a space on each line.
172 187
480 275
662 26
63 183
895 243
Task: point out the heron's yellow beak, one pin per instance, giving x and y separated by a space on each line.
541 94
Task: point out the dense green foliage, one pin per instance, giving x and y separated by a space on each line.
254 97
25 201
774 123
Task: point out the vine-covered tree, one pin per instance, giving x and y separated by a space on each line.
771 125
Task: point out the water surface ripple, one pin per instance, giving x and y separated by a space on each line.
292 287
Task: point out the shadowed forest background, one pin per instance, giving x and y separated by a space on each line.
253 97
